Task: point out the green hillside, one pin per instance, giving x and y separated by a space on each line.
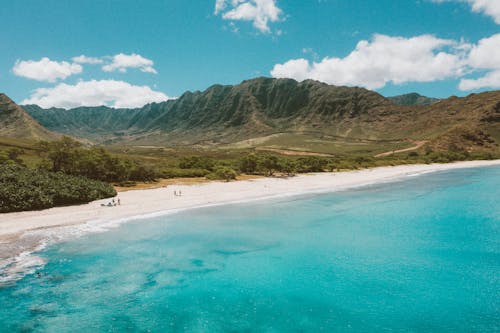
16 123
286 114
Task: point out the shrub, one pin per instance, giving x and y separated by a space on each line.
249 164
311 164
182 173
68 156
22 188
197 162
222 173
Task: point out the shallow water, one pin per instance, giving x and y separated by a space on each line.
422 255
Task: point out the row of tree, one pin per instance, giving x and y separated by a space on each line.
70 157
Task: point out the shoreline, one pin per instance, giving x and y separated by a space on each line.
23 233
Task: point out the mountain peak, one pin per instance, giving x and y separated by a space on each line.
413 99
16 122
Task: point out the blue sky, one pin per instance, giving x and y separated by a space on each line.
151 50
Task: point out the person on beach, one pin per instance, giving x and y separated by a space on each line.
118 200
180 193
175 193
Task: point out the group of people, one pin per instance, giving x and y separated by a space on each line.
178 193
113 203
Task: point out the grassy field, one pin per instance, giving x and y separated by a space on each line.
305 142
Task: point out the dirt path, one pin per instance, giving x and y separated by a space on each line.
293 152
418 144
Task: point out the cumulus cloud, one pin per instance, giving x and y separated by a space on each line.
373 64
121 62
82 59
487 7
485 56
489 80
45 69
259 12
118 94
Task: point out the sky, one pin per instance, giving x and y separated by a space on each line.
126 53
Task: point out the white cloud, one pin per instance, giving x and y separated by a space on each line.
45 69
489 80
112 93
484 56
487 7
120 62
82 59
259 12
373 64
298 69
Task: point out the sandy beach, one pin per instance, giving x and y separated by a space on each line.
25 232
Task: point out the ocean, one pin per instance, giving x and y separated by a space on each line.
417 255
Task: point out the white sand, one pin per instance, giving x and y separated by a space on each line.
17 229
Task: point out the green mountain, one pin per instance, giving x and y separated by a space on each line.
413 99
96 124
283 113
16 123
223 114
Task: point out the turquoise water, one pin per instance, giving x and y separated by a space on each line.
422 255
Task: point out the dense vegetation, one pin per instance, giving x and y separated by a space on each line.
273 164
22 188
70 157
66 172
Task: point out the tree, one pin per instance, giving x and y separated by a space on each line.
11 156
223 173
288 166
270 164
312 164
60 153
197 162
14 153
70 157
249 164
332 166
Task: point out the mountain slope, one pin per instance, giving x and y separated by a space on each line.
284 113
413 99
93 123
15 122
222 114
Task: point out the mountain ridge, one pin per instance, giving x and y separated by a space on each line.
263 107
413 99
15 122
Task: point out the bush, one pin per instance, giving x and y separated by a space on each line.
222 173
183 173
311 164
22 188
197 162
68 156
249 164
